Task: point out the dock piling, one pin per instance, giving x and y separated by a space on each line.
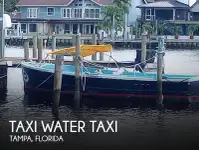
143 47
40 49
2 41
57 85
101 54
94 42
34 46
77 73
26 50
160 68
54 45
73 42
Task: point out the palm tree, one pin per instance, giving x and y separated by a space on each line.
161 27
192 28
147 27
114 16
112 19
177 30
124 5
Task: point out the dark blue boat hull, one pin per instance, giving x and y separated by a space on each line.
34 80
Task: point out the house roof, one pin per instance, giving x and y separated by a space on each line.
150 1
195 7
164 4
55 2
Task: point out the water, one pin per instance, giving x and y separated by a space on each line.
141 126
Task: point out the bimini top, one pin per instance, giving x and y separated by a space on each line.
86 50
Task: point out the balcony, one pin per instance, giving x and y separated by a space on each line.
165 14
62 15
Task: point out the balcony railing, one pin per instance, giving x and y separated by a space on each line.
85 16
61 15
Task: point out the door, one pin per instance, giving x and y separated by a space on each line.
87 29
57 29
75 27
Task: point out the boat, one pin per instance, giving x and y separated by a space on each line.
107 82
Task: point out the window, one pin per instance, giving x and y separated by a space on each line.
32 12
67 28
24 28
78 3
97 13
32 27
66 12
77 13
92 13
86 13
88 4
87 29
51 11
149 14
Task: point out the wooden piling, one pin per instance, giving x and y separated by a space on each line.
159 68
26 50
77 73
94 42
2 41
82 41
143 47
101 54
34 46
74 40
54 45
40 48
57 85
4 77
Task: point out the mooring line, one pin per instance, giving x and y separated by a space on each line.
12 68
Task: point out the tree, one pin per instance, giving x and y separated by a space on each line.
192 28
161 27
9 5
112 15
123 4
177 30
147 27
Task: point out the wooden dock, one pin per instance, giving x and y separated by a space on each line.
64 40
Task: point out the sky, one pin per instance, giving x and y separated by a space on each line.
191 2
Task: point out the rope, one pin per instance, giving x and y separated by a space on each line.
45 80
12 68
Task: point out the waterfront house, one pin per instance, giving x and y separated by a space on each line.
172 12
58 16
65 16
194 11
134 12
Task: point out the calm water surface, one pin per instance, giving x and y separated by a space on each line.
141 126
